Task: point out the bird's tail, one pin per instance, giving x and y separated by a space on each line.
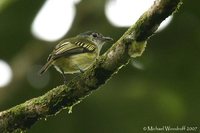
45 67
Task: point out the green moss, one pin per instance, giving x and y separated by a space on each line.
136 48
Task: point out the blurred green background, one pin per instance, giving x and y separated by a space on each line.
164 91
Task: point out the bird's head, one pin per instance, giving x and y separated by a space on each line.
95 37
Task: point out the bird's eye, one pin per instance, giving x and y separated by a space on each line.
94 35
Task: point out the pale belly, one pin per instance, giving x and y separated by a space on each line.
73 64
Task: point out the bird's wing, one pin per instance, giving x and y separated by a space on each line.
71 47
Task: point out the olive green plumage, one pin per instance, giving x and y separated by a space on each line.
76 54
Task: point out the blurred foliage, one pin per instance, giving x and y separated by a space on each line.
165 92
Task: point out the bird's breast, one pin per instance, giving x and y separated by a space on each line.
74 63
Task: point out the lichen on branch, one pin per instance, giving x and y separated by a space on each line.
131 44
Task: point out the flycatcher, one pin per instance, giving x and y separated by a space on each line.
76 54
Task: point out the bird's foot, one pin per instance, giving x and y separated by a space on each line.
80 69
64 77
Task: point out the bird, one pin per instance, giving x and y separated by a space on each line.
76 54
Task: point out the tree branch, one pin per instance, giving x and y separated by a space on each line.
131 44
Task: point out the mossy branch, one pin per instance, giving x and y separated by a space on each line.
131 44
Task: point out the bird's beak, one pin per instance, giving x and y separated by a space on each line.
107 39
